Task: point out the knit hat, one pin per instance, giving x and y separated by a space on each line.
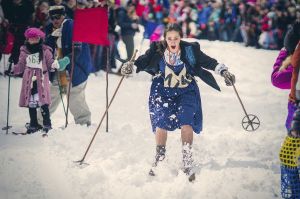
34 32
56 10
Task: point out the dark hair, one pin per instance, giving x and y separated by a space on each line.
173 27
162 45
292 37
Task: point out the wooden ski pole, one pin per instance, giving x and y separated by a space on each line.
113 97
70 84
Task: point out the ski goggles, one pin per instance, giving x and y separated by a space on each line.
55 17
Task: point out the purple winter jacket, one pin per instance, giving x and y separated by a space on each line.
282 79
42 77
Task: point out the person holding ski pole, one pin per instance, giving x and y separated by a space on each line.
35 61
59 35
174 101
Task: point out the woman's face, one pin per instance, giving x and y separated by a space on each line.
44 7
173 40
33 40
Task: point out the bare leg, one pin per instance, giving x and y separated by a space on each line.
187 135
161 137
161 140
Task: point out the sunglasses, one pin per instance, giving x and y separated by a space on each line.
55 17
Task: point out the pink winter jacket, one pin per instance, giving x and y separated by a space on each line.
281 79
42 76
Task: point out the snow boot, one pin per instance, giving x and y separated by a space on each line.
33 129
160 156
47 128
187 159
46 118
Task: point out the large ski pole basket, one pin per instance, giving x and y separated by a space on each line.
290 168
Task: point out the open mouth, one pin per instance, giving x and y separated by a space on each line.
173 47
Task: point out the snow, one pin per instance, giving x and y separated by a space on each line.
231 163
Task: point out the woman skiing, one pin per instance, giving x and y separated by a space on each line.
35 61
174 100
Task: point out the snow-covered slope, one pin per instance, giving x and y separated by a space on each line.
231 163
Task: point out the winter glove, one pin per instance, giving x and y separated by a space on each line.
229 78
9 73
295 126
54 66
61 64
127 68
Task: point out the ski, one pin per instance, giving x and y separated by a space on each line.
191 177
19 133
24 133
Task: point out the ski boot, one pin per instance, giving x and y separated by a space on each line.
160 156
47 128
188 162
33 129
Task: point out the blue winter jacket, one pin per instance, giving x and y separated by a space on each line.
83 62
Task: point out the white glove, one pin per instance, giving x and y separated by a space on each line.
127 68
55 64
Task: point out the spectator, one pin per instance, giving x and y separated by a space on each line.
59 38
128 21
19 15
41 17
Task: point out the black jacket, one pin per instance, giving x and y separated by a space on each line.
191 55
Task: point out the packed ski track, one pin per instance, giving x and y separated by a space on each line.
230 163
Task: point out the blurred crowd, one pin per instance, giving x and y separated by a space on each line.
257 23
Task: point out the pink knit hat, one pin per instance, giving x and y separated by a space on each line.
34 32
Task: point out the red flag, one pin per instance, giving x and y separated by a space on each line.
91 26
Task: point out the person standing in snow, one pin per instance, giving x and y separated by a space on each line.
290 150
59 38
35 62
284 76
174 100
282 69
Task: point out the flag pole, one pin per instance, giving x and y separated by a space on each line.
107 68
106 111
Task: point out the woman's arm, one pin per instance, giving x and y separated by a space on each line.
204 60
143 61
